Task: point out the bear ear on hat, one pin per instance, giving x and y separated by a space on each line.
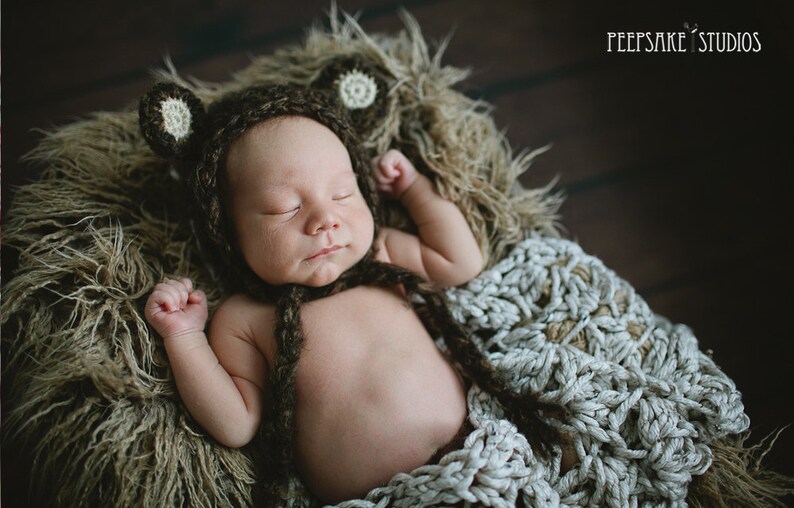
358 87
172 121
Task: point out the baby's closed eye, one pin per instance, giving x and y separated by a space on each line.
282 210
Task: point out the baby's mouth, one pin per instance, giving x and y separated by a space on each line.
324 252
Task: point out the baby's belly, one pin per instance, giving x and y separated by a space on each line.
375 396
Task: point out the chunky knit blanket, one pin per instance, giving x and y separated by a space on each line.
644 401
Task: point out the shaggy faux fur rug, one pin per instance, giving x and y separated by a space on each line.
90 394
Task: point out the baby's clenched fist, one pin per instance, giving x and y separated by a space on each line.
394 173
174 308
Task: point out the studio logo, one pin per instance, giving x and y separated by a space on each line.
690 40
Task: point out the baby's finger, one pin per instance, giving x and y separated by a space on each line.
165 298
181 289
188 284
196 296
381 178
392 158
165 290
388 168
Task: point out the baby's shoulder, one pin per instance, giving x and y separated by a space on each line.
240 305
245 317
242 302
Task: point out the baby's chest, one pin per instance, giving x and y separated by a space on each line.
362 315
354 334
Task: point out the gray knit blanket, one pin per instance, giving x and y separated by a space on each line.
644 401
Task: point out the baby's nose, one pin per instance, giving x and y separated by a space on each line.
323 220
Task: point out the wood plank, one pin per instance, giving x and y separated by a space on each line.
677 219
503 39
611 119
65 48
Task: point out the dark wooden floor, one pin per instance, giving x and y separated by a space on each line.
675 165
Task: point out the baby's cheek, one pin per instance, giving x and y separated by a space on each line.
267 249
366 226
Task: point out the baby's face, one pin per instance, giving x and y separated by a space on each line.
297 210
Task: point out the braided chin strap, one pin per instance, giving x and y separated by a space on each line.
523 409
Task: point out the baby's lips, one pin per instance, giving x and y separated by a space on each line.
325 251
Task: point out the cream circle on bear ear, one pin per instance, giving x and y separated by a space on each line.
176 118
357 90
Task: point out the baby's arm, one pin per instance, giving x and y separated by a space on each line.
446 251
221 385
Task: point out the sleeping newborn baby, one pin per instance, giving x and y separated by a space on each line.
373 395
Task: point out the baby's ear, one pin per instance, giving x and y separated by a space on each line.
359 87
172 121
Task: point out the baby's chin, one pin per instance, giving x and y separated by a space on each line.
325 271
323 275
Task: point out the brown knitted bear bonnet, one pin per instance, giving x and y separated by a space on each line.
175 125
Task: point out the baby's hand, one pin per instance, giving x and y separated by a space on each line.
174 308
394 173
